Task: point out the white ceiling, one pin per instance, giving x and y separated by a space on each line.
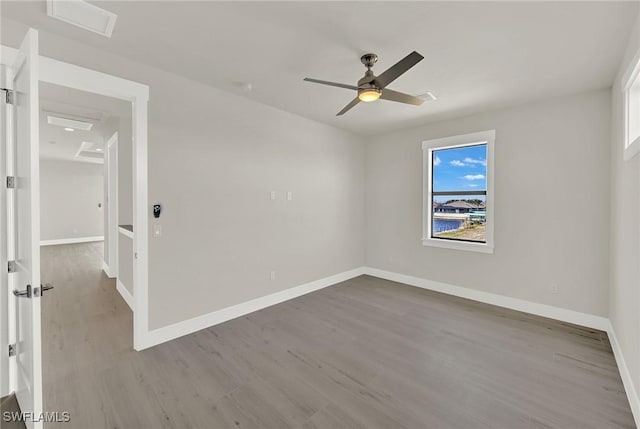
478 55
103 112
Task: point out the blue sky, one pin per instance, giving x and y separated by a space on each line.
460 169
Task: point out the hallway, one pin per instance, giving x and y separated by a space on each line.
86 325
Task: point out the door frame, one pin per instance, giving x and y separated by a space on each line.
80 78
111 178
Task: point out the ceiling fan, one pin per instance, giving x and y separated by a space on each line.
372 87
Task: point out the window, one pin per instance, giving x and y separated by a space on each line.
458 192
631 98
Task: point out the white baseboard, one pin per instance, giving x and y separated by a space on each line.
128 298
107 270
167 333
71 240
557 313
629 388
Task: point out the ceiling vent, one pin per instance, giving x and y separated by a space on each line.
83 15
69 123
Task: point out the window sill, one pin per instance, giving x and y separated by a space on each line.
458 245
632 150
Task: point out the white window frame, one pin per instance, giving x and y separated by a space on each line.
428 147
631 148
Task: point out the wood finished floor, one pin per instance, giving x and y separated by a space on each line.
366 353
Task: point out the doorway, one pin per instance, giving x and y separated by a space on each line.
21 84
79 168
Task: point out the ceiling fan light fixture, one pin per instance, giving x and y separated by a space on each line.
369 94
370 87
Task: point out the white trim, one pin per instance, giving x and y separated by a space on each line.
107 270
71 240
124 292
551 312
457 245
111 178
631 148
125 232
627 381
140 223
72 76
167 333
428 146
631 72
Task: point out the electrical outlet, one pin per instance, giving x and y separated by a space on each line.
289 196
273 275
554 288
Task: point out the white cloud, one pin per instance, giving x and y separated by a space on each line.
437 161
473 177
476 161
457 163
472 185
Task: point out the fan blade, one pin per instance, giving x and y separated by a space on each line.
400 97
349 106
324 82
395 71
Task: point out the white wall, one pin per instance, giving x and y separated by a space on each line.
551 211
213 159
624 297
70 193
213 162
125 168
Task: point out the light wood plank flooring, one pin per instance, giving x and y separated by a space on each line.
366 353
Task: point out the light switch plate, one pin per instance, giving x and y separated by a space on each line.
273 195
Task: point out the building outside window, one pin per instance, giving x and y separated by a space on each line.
458 197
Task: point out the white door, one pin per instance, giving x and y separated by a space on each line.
25 231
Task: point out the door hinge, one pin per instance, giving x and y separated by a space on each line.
9 96
12 350
12 267
11 182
